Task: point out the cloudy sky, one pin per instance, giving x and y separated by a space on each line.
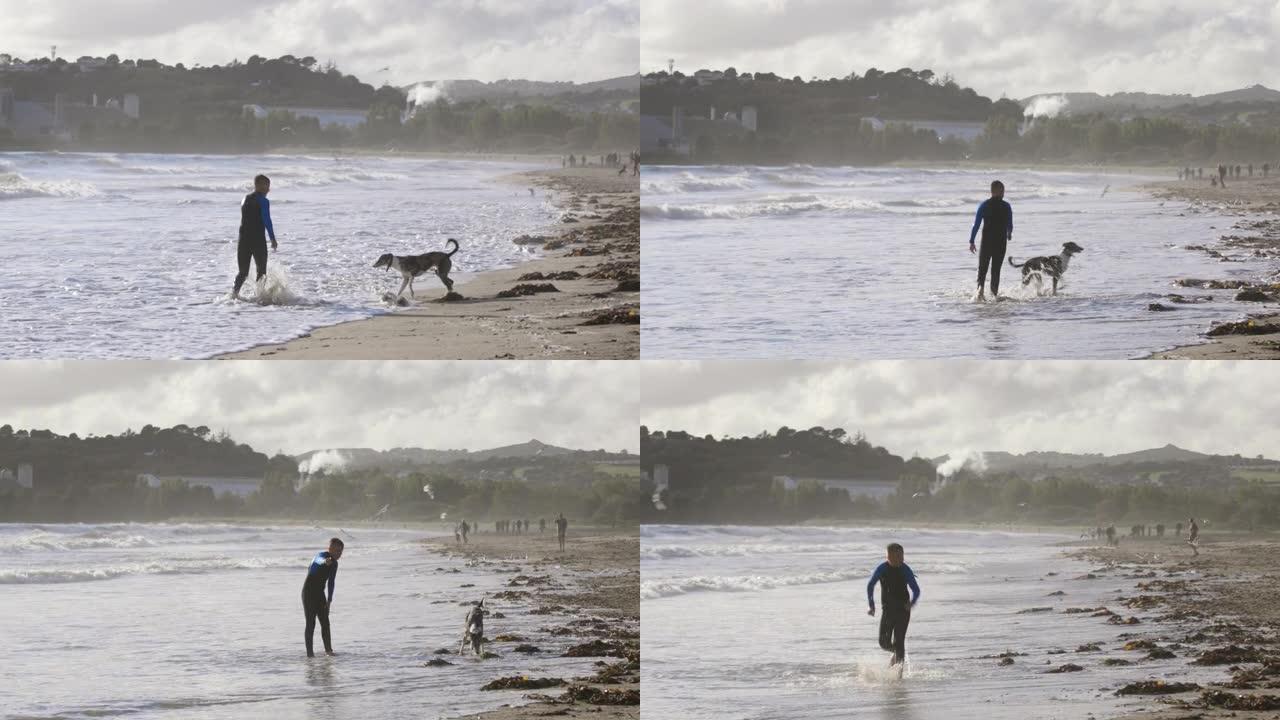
300 406
933 408
1016 48
579 40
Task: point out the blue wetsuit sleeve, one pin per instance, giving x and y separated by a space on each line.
1010 220
266 216
977 222
911 583
334 575
871 585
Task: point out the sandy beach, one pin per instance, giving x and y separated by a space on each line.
601 612
1252 207
1216 610
580 301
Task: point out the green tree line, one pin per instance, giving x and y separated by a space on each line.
732 480
96 479
825 122
202 109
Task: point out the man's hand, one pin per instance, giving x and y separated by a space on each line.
973 248
273 245
872 611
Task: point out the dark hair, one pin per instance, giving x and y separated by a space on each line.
336 541
996 184
261 180
895 548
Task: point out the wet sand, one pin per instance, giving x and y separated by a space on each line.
602 611
593 313
1253 204
1217 610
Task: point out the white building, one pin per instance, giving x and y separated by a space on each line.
26 476
852 486
749 117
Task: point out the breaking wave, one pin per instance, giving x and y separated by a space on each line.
14 186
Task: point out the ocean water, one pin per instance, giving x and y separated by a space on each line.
134 256
756 623
204 622
804 262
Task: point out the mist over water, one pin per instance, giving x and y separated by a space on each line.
204 622
805 262
754 623
133 255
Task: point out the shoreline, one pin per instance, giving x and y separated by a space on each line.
1230 624
1253 203
593 260
601 611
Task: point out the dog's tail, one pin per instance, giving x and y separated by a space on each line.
455 247
1011 262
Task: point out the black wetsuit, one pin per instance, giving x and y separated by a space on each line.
315 604
255 223
895 606
996 218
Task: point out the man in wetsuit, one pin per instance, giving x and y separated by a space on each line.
895 577
255 225
996 218
323 570
1193 534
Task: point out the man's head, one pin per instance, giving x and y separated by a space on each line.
997 189
262 184
895 554
335 548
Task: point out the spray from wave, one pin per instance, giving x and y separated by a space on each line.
1045 106
424 94
964 459
328 461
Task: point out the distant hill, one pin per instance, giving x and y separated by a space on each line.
461 90
997 461
1089 102
365 458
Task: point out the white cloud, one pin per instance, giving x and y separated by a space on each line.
299 406
931 407
1014 48
580 40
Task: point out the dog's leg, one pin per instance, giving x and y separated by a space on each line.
403 285
1055 284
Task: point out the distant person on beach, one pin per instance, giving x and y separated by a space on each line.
1177 532
542 525
995 216
1111 535
465 529
895 577
323 571
255 225
1266 168
562 527
1193 533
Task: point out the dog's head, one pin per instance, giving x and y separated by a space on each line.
385 261
1071 248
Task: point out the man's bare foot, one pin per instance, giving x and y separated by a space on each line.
330 653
